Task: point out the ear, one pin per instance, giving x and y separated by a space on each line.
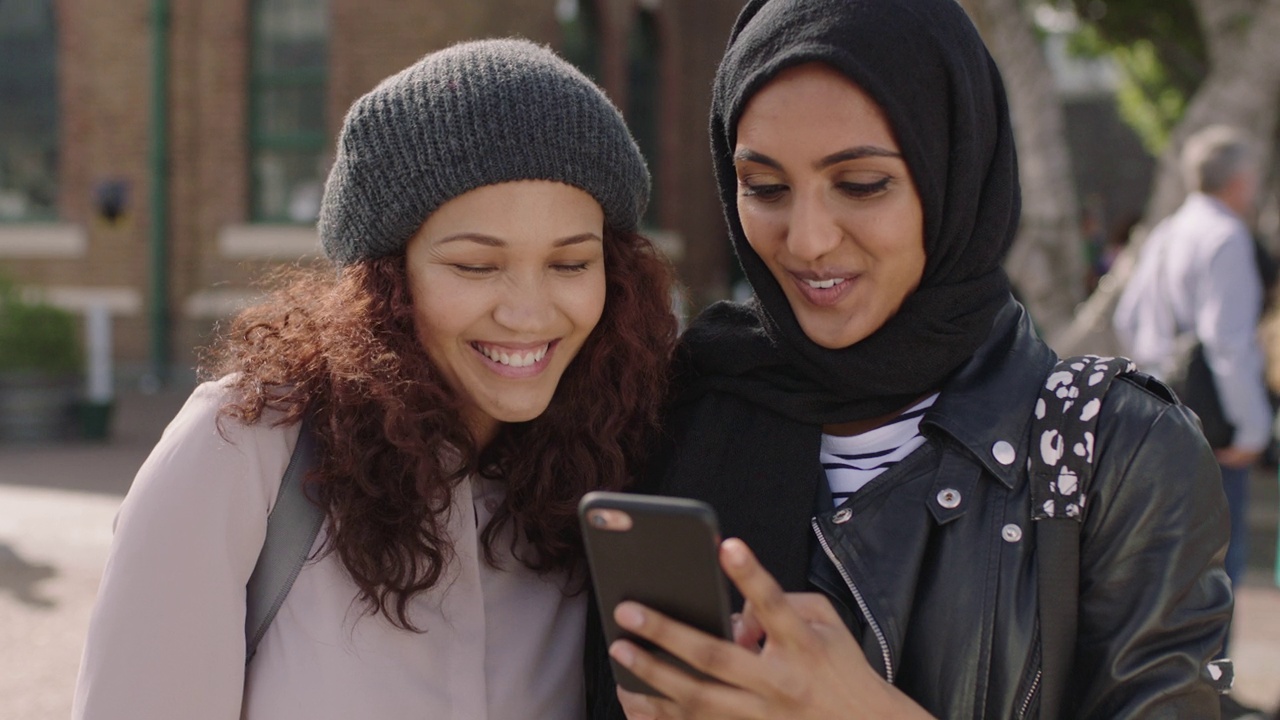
1238 194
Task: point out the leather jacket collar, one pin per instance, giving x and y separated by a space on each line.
989 402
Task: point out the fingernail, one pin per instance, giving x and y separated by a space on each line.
628 616
623 653
735 552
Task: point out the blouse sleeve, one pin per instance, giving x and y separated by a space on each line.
166 638
1155 601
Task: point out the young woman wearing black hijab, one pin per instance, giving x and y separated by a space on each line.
862 425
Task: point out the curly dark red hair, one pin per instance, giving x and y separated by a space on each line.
343 350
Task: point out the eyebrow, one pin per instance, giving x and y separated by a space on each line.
853 153
491 241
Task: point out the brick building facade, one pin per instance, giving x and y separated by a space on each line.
198 171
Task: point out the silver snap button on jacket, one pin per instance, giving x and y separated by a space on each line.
949 498
842 516
1004 453
1011 533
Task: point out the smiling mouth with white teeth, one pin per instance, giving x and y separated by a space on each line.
511 358
825 284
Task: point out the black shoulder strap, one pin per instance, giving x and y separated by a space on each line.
292 527
1061 466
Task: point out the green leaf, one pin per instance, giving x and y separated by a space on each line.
35 335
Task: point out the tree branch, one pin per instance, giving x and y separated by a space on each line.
1225 23
1046 261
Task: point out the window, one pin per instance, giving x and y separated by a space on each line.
644 99
639 66
581 33
28 120
288 140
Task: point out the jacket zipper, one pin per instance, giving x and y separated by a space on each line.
862 604
1031 693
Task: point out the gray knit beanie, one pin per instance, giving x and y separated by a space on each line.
474 114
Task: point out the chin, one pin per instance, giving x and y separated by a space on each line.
519 415
831 337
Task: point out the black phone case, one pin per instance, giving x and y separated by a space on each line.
667 561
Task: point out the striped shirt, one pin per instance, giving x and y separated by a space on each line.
852 461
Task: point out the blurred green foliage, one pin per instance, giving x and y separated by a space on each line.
36 335
1161 54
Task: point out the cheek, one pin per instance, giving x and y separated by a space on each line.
918 255
751 224
442 310
909 258
424 321
764 231
586 306
896 236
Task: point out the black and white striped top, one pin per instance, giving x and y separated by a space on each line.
855 460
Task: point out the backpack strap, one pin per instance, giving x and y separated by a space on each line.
1063 433
292 526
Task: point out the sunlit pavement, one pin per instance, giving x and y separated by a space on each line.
52 546
57 504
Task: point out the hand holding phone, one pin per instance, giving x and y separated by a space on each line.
661 552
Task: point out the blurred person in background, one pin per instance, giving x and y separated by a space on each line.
1198 273
1200 279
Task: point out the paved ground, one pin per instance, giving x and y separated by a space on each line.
57 504
56 507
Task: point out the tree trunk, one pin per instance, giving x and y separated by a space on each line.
1046 262
1243 90
1225 24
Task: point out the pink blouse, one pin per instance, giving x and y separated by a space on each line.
166 639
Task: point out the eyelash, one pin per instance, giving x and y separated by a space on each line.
480 270
772 192
863 190
764 193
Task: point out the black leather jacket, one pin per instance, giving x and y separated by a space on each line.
942 595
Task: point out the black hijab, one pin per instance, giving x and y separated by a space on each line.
923 62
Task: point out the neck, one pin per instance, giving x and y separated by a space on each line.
483 430
1225 201
1235 199
857 427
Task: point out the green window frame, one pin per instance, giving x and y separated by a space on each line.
288 138
28 111
644 100
580 35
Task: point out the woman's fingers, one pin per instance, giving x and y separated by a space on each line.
768 603
813 608
810 666
686 696
749 633
755 682
713 656
747 630
640 707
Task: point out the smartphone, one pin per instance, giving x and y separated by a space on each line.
663 553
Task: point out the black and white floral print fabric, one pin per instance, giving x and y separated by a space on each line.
1063 433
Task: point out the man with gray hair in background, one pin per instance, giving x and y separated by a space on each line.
1198 274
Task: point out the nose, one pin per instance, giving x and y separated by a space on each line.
813 230
526 306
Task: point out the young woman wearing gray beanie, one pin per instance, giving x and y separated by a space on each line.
863 425
490 344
